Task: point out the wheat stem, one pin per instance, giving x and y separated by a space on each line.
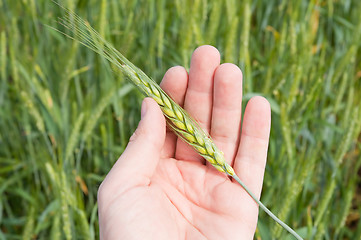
284 225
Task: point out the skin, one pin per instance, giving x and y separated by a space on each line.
160 188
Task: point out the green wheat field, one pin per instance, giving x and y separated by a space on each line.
66 116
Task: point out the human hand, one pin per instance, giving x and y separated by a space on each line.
160 188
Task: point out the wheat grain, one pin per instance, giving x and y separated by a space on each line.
177 118
73 139
65 213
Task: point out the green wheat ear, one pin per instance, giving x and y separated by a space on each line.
177 118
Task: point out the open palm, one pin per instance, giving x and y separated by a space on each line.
160 188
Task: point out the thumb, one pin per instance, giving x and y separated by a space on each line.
141 156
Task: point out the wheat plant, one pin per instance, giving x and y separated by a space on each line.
65 118
177 118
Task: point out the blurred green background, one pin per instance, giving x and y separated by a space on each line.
65 117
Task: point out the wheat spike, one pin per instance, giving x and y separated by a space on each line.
177 118
181 123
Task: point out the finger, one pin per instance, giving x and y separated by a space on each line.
251 158
174 83
138 162
227 109
199 95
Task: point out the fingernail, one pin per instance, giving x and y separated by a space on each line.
143 111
